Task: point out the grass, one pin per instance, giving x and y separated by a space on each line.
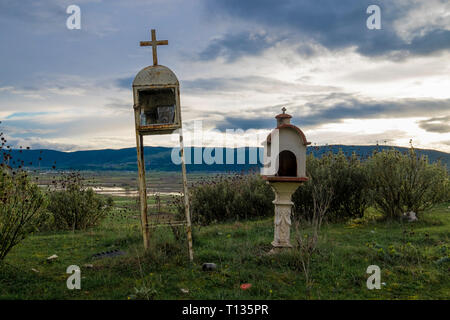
407 254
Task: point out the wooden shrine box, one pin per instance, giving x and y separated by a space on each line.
156 93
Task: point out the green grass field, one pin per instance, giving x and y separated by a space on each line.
413 258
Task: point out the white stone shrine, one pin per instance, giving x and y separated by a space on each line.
284 170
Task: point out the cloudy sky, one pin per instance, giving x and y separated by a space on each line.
238 63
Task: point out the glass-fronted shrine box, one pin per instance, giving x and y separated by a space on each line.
157 103
157 106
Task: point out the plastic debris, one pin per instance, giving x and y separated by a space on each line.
209 267
246 286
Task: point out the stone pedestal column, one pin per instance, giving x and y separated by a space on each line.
283 208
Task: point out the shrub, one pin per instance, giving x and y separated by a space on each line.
21 206
73 206
348 182
322 194
406 182
350 187
227 198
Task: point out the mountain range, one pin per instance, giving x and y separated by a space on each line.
159 158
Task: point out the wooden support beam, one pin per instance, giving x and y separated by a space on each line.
186 198
142 184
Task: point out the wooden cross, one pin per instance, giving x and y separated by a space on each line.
154 43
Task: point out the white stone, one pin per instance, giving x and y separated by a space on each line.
410 216
53 257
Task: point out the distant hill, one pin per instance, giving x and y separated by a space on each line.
159 158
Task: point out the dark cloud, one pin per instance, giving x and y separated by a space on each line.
31 8
336 107
245 123
437 124
345 106
49 13
433 41
233 46
333 24
254 83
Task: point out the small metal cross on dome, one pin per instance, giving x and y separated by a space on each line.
154 43
284 110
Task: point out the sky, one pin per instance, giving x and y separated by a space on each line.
238 62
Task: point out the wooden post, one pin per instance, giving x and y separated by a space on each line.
142 184
186 199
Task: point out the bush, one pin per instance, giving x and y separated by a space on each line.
347 180
406 182
21 207
73 206
228 198
389 180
